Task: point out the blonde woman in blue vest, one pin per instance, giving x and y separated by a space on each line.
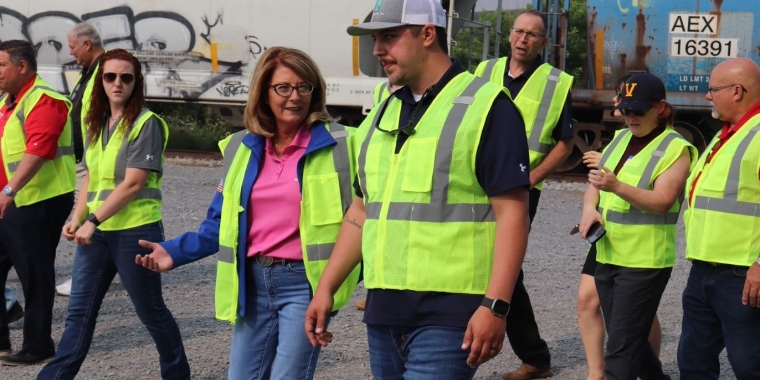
119 204
634 196
274 218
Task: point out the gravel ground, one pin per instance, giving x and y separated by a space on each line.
122 348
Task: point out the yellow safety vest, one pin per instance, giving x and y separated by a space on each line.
382 91
723 217
325 197
56 176
86 98
637 238
107 168
429 226
540 102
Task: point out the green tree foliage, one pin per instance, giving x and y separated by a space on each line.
192 126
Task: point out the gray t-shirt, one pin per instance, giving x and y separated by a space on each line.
146 150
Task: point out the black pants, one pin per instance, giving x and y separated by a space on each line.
629 299
522 330
29 236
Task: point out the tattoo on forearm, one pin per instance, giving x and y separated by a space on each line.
353 223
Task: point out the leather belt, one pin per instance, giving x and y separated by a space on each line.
267 261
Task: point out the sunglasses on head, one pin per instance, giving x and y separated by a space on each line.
126 78
639 113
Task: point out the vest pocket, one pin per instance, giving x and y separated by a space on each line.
324 199
529 117
420 164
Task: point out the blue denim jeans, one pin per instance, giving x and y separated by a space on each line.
10 298
714 318
269 342
417 353
95 266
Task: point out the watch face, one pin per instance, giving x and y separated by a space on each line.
500 307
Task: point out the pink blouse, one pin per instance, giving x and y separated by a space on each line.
275 208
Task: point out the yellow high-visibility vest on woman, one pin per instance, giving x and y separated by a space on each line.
107 167
636 238
56 176
726 201
430 225
326 191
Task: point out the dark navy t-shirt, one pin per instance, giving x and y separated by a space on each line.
500 165
564 128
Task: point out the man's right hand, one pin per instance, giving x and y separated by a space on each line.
317 316
158 260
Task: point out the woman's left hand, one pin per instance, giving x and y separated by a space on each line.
84 234
603 179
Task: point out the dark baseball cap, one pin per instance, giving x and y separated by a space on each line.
393 13
640 92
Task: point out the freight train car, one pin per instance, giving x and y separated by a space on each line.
205 50
680 41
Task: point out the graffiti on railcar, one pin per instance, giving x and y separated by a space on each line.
176 55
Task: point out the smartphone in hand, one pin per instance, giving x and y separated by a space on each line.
595 232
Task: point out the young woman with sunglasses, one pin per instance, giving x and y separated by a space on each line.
633 192
118 205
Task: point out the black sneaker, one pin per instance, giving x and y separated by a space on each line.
15 313
23 358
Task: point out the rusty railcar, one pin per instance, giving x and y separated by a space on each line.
680 41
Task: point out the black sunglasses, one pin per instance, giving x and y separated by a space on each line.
409 127
126 78
639 113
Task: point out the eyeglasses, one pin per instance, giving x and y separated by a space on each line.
713 90
639 113
519 33
408 129
126 78
285 90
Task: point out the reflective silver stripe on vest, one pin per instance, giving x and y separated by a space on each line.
230 150
20 113
342 163
730 202
362 159
420 212
225 255
488 70
612 146
319 252
380 92
438 210
534 142
60 152
635 215
144 193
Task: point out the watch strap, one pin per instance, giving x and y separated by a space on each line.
93 219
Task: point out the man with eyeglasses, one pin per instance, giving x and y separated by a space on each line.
721 301
87 49
37 178
440 218
542 93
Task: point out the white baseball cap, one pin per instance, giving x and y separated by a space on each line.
393 13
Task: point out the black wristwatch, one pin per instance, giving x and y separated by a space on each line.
93 219
498 307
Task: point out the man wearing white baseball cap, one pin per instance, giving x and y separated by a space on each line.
440 216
